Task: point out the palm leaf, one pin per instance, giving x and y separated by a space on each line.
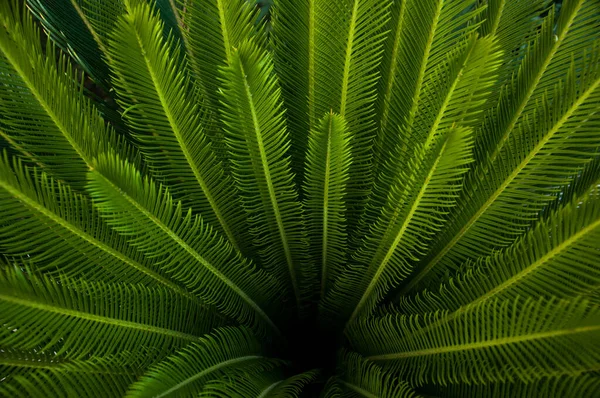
359 378
414 213
168 124
557 258
74 37
295 25
327 165
420 35
38 375
498 341
226 351
560 131
266 385
42 107
257 140
215 29
349 39
61 233
77 319
187 249
513 24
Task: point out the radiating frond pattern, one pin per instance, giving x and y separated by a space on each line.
300 198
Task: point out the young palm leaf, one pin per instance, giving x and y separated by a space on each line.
327 165
167 123
413 213
257 142
187 249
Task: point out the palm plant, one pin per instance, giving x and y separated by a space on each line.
369 198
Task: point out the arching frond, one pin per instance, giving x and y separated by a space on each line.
61 233
33 374
349 38
69 27
295 24
41 104
266 385
421 34
257 140
492 215
168 124
413 213
557 258
453 90
327 165
187 248
226 351
215 29
77 319
498 341
360 378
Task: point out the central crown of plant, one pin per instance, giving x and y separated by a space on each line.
367 198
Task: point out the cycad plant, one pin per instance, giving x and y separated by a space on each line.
349 198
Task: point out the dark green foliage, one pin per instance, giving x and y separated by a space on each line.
300 198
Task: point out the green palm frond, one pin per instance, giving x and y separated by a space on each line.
300 198
498 341
168 125
265 385
562 131
42 107
350 43
35 375
514 25
359 378
580 386
557 258
76 319
187 249
327 163
77 37
215 29
227 351
257 141
421 33
45 222
295 25
413 214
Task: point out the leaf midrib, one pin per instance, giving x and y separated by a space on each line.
393 66
485 344
56 309
348 59
324 248
399 236
269 182
182 144
94 242
40 99
181 243
358 389
502 187
207 371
